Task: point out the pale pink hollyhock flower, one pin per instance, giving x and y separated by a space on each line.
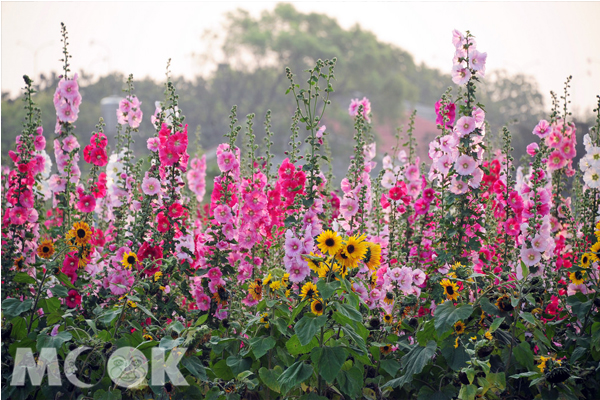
213 285
457 38
222 214
419 277
150 186
124 106
134 118
228 231
70 143
66 113
479 115
532 148
153 144
226 161
477 61
348 207
412 172
39 143
465 165
395 274
464 126
540 242
57 183
443 164
568 149
542 129
320 132
293 246
69 89
360 290
460 75
475 181
530 256
458 187
573 289
298 273
375 294
556 160
123 278
406 279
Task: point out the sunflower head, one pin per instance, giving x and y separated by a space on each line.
387 349
275 285
329 242
264 319
504 303
355 247
255 290
586 258
450 289
388 319
372 257
309 290
80 234
19 263
459 328
317 307
46 248
129 260
344 261
577 277
389 298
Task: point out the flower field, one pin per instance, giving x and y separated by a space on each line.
465 276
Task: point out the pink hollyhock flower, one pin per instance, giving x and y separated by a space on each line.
457 38
178 142
151 252
449 111
86 203
375 294
66 113
475 182
256 200
464 126
530 256
556 161
412 172
540 242
542 129
293 246
150 186
134 118
18 215
554 139
73 299
162 223
465 165
568 149
39 143
57 184
286 170
167 156
214 273
395 274
125 106
458 187
98 157
532 148
70 262
477 61
203 302
348 207
222 214
512 226
70 143
153 144
419 277
248 238
460 75
120 281
479 115
298 273
320 132
226 161
421 207
69 89
176 210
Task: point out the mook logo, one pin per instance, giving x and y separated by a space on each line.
127 367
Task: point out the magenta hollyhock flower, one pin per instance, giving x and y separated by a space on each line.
176 210
98 157
530 256
226 161
150 186
178 142
460 74
542 129
429 195
464 126
86 203
256 200
465 165
214 273
449 111
167 156
73 299
421 207
512 226
71 262
554 139
39 142
248 238
99 139
532 148
162 223
556 160
18 215
203 302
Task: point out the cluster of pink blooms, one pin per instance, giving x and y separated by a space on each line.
196 177
67 100
562 140
467 59
129 112
356 103
171 147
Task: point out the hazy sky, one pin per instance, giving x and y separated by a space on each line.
547 40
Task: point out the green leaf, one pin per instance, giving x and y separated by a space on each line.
447 393
195 367
15 307
108 316
447 314
350 312
327 289
44 340
390 366
526 375
496 324
360 342
23 277
294 347
295 375
270 376
308 326
146 311
577 353
260 345
456 357
488 307
59 291
427 333
222 371
413 363
351 382
524 355
65 280
329 361
468 392
202 319
580 308
103 395
238 364
524 269
49 305
168 343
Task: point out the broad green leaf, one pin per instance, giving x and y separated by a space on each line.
202 319
329 361
524 355
222 371
15 307
496 324
295 375
447 314
238 364
327 289
270 376
59 291
488 307
44 340
308 326
455 357
260 345
167 343
294 347
413 363
195 367
390 366
350 312
350 332
351 382
108 316
23 277
447 393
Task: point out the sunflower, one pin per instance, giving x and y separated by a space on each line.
345 261
355 247
373 256
147 337
577 277
285 279
313 264
129 260
597 232
459 328
488 335
388 319
542 364
131 304
80 234
85 255
595 248
389 298
46 248
221 295
329 242
450 289
255 290
323 270
19 263
267 280
275 285
504 303
157 276
264 319
387 349
317 307
586 258
309 290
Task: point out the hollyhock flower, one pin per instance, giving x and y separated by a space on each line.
256 200
248 238
554 139
540 242
477 62
320 132
591 177
395 274
203 302
150 252
176 210
479 115
406 279
460 75
178 142
429 195
475 182
568 149
69 144
458 187
530 256
18 215
39 142
98 157
556 160
421 207
162 223
542 129
222 214
298 273
465 165
120 281
150 186
348 207
464 126
419 277
512 226
532 148
293 245
134 118
167 156
86 203
449 111
153 144
73 299
226 161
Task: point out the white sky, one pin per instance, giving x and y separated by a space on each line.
547 40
